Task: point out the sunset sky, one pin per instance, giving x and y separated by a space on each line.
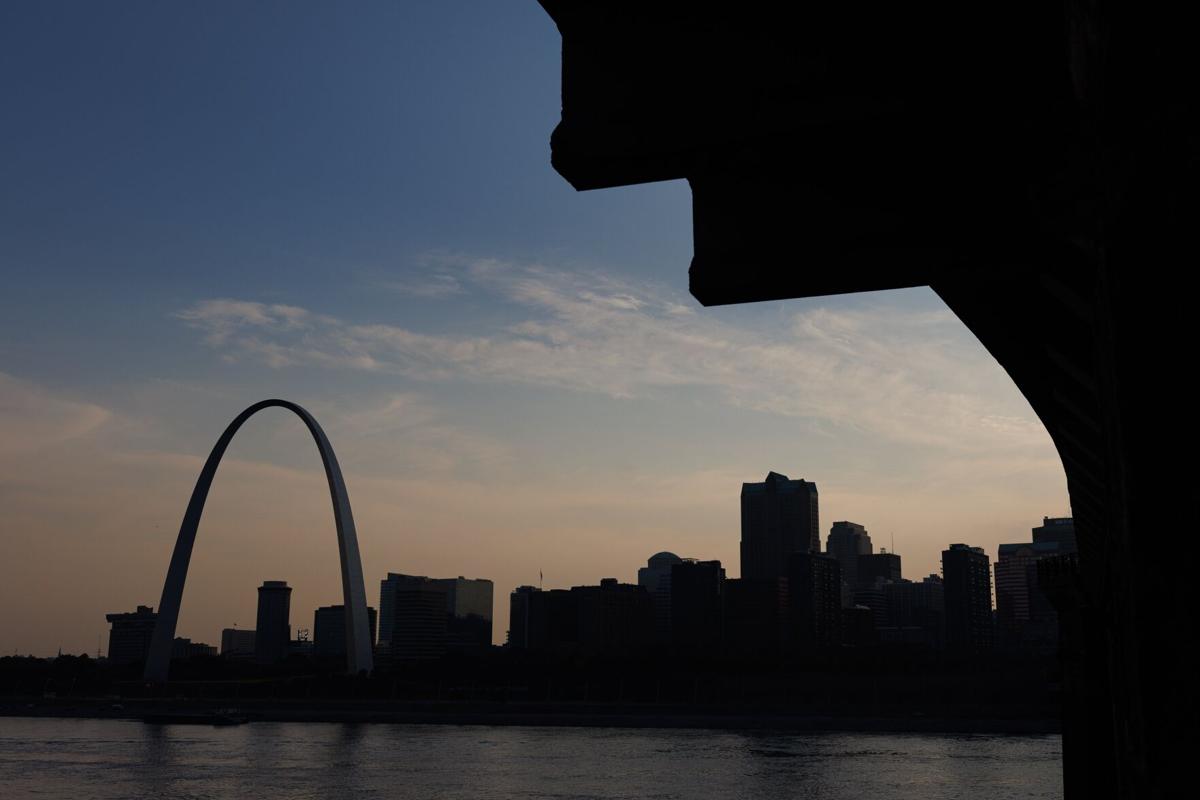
205 205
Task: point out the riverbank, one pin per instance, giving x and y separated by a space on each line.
529 714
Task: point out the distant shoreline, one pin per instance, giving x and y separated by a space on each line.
535 715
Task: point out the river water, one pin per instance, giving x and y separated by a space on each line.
79 758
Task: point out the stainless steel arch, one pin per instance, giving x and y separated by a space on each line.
354 596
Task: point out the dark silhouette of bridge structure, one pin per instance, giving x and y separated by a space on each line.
1035 164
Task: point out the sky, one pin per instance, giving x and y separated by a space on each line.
203 205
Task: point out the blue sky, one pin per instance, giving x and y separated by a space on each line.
205 204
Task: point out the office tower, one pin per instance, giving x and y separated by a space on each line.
872 596
418 618
614 618
1014 563
522 619
541 620
696 604
129 637
815 599
468 609
1024 616
237 643
561 629
779 517
656 578
875 567
1057 529
847 541
967 578
273 628
916 612
756 616
468 612
329 631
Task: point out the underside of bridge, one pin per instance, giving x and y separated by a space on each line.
1034 163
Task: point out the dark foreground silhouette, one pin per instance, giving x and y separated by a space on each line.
1035 165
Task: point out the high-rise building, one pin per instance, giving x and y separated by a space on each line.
916 612
815 595
468 612
1024 616
273 628
874 597
875 567
237 643
697 589
130 635
1057 529
417 617
541 620
779 517
329 631
614 618
656 578
967 578
468 609
523 618
847 541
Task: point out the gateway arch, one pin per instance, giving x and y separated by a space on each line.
354 596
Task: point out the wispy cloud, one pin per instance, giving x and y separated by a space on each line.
915 377
433 285
32 418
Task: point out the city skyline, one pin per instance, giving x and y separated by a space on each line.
499 628
514 374
1055 536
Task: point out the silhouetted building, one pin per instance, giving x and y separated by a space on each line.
416 617
273 628
614 618
756 616
1057 529
1024 617
847 541
562 619
873 596
858 627
521 617
183 649
129 637
967 577
815 595
656 578
329 631
874 572
828 152
468 612
779 517
468 609
877 566
237 643
543 620
917 611
697 588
